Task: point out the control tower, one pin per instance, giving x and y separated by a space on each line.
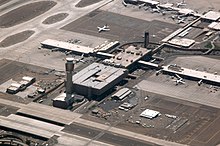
64 100
69 73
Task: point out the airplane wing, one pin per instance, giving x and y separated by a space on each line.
106 29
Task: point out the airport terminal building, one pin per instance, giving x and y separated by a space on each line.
96 79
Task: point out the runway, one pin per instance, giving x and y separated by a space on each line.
104 136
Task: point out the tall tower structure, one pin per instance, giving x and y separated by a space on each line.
69 73
146 39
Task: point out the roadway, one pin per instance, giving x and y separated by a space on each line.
117 131
103 136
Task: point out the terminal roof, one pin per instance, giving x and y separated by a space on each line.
97 75
166 6
129 56
67 46
60 97
211 15
152 2
185 11
184 42
215 25
192 73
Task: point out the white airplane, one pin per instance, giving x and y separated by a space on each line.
153 60
155 10
68 52
158 72
124 3
166 6
77 60
141 5
82 56
158 58
55 49
170 116
104 28
178 77
146 8
180 4
200 82
158 10
179 80
181 16
181 21
174 17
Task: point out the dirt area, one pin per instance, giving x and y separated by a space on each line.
9 69
12 69
55 18
84 3
45 79
2 2
25 13
16 38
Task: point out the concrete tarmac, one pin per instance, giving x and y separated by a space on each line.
114 131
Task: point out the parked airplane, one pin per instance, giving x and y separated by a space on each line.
153 60
158 58
170 116
174 17
166 6
181 21
77 60
179 80
200 82
157 10
180 4
141 5
104 28
158 72
134 2
178 77
181 16
146 8
68 52
124 3
55 49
